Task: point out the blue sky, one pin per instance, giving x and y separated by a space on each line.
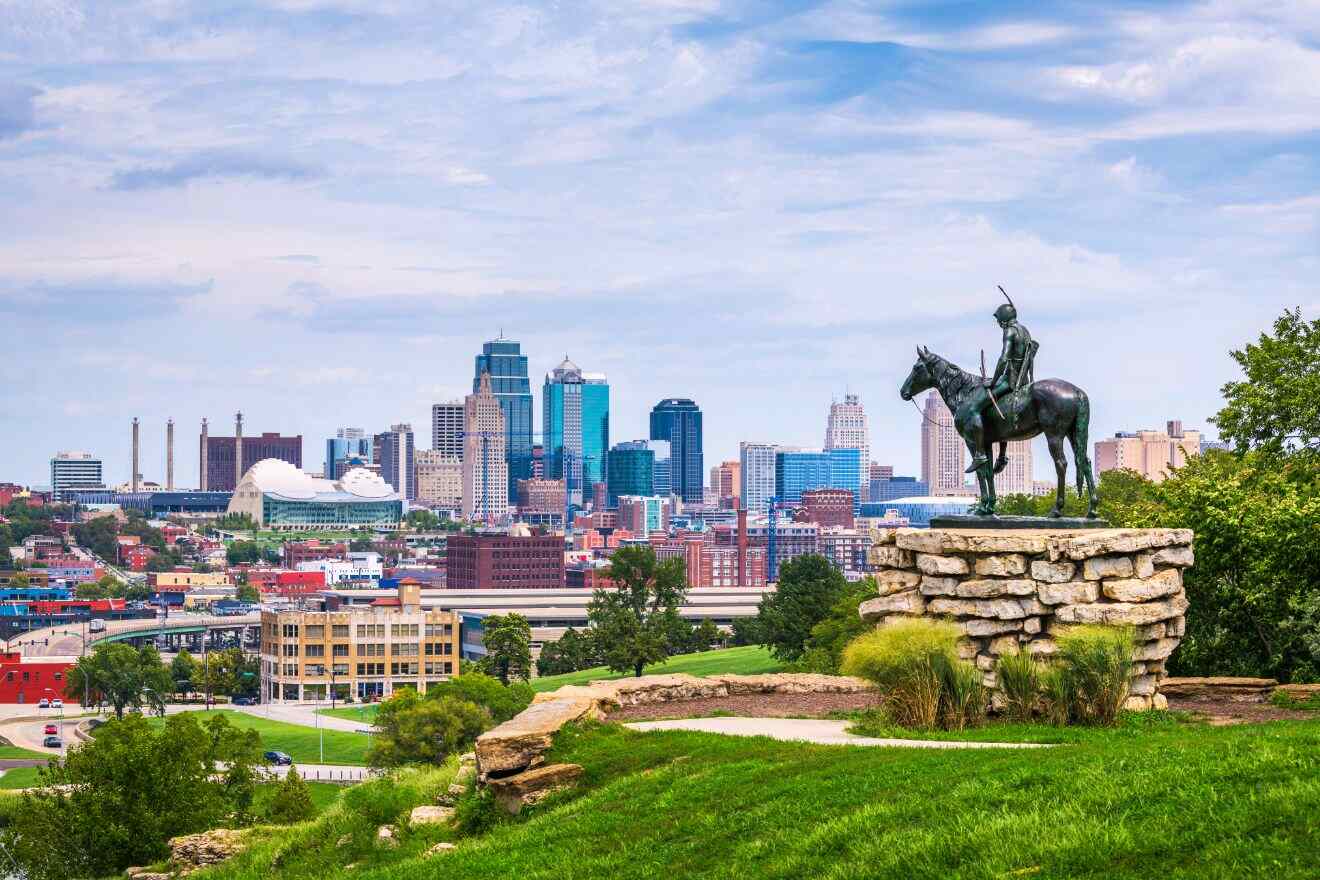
317 210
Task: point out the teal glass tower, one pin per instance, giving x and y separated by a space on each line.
576 428
631 470
507 365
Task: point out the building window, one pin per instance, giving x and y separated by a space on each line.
314 651
340 650
290 630
339 631
315 632
290 650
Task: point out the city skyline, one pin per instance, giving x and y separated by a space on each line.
318 222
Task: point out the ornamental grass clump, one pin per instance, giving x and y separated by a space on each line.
1095 665
1021 683
963 702
907 660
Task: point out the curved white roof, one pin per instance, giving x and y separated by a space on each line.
271 476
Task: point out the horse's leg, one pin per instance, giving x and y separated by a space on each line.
989 481
1055 442
1078 436
1002 461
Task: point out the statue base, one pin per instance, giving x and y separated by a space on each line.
970 521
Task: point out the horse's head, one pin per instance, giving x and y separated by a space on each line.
920 379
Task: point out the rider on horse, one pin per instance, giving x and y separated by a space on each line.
1013 371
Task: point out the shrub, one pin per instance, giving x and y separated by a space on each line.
1095 664
502 701
411 730
292 801
1020 683
963 702
906 660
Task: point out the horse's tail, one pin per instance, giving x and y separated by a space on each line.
1078 436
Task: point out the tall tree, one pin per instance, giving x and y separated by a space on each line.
632 623
808 587
122 676
508 642
186 672
1276 406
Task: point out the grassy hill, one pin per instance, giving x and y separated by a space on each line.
747 660
303 744
1156 798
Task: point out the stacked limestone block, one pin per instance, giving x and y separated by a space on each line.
1010 590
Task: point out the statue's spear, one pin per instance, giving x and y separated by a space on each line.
988 389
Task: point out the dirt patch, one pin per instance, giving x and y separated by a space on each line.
750 705
1221 712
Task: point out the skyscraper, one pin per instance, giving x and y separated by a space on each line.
678 420
846 428
223 460
631 470
800 470
439 479
447 428
347 444
576 426
1015 478
506 365
662 482
485 463
726 483
74 470
943 453
397 465
756 462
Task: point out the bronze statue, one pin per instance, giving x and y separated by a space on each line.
1010 405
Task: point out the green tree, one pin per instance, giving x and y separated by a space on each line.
186 672
117 800
508 642
829 636
121 675
423 520
292 801
239 552
570 652
410 730
631 624
230 671
707 635
1276 405
248 593
502 701
808 587
98 535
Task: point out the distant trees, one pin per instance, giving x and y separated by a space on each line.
508 642
572 651
808 587
122 675
633 624
98 535
186 673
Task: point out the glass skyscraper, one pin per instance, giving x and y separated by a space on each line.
347 444
631 471
796 471
576 428
504 360
678 420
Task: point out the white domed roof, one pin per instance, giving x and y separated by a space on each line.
364 484
281 478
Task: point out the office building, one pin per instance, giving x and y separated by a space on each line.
368 652
791 540
846 550
71 471
439 479
279 496
897 487
398 459
348 446
920 510
798 470
224 460
576 428
828 508
644 515
661 473
943 453
678 420
756 467
631 471
505 562
846 428
1153 454
362 568
504 361
542 500
880 471
1015 478
485 464
726 483
447 426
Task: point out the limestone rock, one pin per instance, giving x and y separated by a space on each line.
882 536
1142 685
984 662
1151 632
941 565
982 628
967 649
1031 606
939 586
888 556
439 849
512 793
1107 567
1219 687
1183 557
1071 593
428 815
457 789
999 609
1159 649
1143 565
995 587
660 689
385 836
1165 582
1123 612
793 683
1137 703
1104 542
1176 626
192 851
467 758
1042 648
890 582
514 744
1004 645
945 541
1159 702
1052 572
1004 565
1031 625
910 602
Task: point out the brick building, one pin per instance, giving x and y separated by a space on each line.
498 562
827 508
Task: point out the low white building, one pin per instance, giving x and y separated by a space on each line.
358 566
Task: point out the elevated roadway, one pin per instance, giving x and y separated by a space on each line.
66 640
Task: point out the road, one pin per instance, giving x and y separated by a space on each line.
65 640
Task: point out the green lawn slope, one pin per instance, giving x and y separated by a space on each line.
303 744
748 660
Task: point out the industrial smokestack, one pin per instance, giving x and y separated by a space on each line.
169 455
238 448
205 462
133 478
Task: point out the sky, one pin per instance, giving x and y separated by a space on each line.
316 211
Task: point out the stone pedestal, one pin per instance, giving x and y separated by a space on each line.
1009 590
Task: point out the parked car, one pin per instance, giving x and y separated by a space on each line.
244 701
273 757
53 742
57 704
43 703
51 728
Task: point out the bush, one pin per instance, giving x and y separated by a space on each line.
1095 663
1020 683
502 701
292 801
908 662
410 730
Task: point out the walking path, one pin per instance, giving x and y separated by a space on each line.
813 730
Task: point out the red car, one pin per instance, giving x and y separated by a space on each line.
51 728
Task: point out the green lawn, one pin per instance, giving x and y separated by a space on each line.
747 660
303 744
11 751
19 777
323 794
363 712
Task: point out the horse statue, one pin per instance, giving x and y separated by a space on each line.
1058 409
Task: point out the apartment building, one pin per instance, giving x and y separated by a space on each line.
367 652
